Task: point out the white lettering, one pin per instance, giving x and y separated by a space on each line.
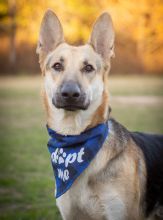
60 174
80 154
60 157
63 175
70 159
66 174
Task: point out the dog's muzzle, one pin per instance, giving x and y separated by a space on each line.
70 97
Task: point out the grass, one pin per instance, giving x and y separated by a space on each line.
26 176
136 85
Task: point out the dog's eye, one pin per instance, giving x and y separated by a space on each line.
58 67
88 68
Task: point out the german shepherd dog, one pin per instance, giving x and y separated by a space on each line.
124 181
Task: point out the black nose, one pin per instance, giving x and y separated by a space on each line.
70 90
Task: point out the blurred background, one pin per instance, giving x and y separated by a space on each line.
136 89
138 25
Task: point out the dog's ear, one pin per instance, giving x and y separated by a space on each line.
102 36
51 33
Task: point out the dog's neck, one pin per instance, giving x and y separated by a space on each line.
73 123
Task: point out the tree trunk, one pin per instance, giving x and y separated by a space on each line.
12 52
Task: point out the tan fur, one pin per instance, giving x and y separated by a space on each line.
102 112
91 84
112 187
109 188
78 121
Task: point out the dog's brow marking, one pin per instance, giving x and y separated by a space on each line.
50 59
98 64
62 60
85 62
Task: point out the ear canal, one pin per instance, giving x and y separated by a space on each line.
51 33
102 36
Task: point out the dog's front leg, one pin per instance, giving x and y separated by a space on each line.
71 212
64 207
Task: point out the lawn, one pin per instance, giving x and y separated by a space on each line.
26 177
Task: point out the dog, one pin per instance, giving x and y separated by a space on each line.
123 180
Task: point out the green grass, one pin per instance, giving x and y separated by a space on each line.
140 118
26 176
136 85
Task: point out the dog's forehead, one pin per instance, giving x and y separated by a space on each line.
80 53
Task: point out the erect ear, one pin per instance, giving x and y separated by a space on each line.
102 37
51 33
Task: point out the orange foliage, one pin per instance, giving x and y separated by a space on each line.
138 23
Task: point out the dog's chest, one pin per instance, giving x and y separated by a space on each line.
82 199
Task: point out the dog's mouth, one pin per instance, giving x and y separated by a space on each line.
73 107
70 106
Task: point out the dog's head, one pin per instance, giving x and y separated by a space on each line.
75 77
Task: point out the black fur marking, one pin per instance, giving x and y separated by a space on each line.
152 148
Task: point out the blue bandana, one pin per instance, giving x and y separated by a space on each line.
71 154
